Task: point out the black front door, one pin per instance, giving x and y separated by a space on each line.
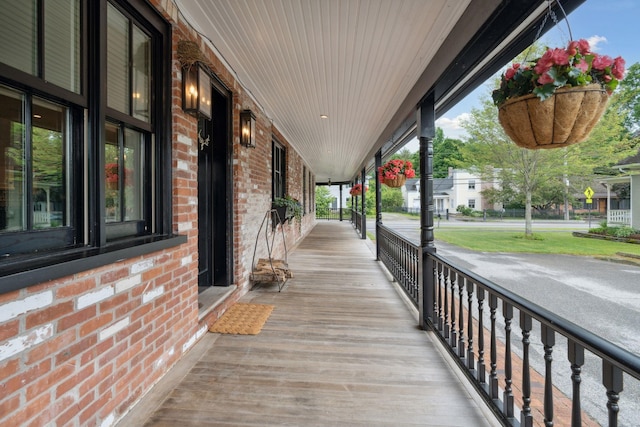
214 253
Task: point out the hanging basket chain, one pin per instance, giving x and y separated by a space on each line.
554 18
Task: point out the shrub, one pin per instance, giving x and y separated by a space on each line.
623 232
464 210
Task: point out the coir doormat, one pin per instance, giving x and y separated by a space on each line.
243 319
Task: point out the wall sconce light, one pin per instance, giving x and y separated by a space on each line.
196 91
248 128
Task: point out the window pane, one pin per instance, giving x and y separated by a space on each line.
134 167
112 174
18 32
141 74
62 43
49 139
12 164
117 60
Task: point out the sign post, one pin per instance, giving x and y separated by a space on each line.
589 193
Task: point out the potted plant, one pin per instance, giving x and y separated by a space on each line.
287 207
557 99
395 172
356 190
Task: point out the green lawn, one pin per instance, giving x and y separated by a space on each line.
551 242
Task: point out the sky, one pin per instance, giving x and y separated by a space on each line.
611 26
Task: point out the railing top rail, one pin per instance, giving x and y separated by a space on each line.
620 357
399 236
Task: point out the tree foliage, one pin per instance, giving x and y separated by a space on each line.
540 178
520 172
323 200
629 98
446 154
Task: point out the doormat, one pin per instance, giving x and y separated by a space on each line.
243 319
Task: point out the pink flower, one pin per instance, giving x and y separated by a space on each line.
582 65
511 72
544 63
545 78
581 46
600 62
560 57
617 69
410 173
550 58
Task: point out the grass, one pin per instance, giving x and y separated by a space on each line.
541 243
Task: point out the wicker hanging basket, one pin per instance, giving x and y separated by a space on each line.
565 118
396 182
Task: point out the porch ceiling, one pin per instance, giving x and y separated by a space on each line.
364 64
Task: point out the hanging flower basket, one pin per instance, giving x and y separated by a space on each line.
557 99
356 190
395 172
396 182
566 117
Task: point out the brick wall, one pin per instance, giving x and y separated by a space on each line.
81 350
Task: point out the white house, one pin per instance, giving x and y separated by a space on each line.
629 217
461 187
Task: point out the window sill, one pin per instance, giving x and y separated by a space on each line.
30 271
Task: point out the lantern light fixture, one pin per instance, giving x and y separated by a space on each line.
196 90
248 129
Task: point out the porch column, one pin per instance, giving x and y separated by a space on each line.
426 130
363 228
340 202
378 163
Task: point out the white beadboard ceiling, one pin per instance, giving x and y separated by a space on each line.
355 61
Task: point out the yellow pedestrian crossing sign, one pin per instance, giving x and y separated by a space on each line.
589 193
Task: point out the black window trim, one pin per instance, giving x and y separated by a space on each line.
22 271
277 145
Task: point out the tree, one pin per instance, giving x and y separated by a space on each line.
446 154
629 98
323 200
392 199
521 172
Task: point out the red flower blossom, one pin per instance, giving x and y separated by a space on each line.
574 66
395 167
600 62
545 78
617 69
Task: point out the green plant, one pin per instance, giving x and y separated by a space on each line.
574 66
464 210
623 232
294 208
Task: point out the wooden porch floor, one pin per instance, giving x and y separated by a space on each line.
341 347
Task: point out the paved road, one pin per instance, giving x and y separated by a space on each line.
601 296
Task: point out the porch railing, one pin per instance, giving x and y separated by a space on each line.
356 219
334 214
474 318
403 260
619 216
